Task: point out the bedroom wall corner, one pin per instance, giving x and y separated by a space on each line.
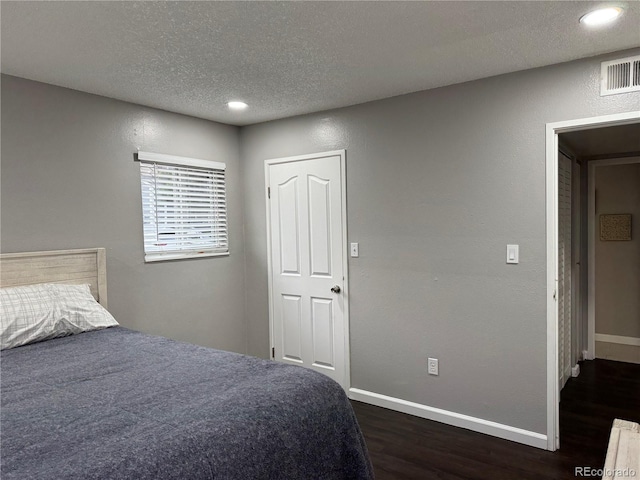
69 181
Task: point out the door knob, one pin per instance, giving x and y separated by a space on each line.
335 289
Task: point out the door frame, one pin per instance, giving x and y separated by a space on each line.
591 246
345 250
551 165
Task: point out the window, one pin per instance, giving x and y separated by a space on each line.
184 209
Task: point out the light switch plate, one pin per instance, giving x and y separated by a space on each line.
354 250
513 254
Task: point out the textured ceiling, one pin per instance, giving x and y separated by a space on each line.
287 59
609 141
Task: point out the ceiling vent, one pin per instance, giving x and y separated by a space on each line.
620 76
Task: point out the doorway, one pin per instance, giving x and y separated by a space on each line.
307 262
554 363
614 253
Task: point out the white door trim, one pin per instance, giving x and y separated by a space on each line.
552 131
591 245
345 250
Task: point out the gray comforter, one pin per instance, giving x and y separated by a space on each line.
117 404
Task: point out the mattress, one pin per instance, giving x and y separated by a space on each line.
119 404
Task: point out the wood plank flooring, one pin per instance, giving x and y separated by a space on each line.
406 447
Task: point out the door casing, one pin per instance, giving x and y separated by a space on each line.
345 250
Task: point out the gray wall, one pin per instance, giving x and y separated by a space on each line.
618 263
69 181
438 182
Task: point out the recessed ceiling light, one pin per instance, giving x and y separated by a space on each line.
602 16
237 105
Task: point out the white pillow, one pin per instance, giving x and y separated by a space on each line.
40 312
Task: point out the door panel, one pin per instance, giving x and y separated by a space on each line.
307 258
292 328
319 226
322 322
289 239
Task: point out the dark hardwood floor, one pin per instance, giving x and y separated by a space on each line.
406 447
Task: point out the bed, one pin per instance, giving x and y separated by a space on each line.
117 404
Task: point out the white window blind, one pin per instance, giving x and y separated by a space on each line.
184 208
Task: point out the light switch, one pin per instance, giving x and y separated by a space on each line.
513 253
354 250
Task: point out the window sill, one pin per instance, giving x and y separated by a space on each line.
152 258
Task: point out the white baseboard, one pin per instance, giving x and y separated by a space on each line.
495 429
634 341
619 352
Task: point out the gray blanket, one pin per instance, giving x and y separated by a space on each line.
118 404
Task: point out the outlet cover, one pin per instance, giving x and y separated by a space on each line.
433 366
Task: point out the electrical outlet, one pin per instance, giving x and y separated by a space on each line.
433 366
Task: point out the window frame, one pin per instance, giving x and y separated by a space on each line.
187 162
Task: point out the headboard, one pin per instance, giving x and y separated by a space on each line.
60 266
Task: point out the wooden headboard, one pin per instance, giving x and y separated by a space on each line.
60 266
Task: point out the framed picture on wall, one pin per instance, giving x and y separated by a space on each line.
615 228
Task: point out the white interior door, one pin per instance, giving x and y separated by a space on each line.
565 261
307 263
